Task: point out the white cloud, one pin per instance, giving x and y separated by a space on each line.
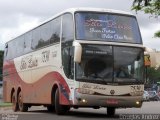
25 24
21 15
148 36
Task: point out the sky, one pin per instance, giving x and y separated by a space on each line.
19 16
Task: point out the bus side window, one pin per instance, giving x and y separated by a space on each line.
11 52
6 51
67 61
67 28
27 43
55 30
45 33
19 46
36 42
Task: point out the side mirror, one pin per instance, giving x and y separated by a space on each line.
77 51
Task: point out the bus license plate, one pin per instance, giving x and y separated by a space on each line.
112 101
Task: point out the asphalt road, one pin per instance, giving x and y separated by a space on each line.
41 113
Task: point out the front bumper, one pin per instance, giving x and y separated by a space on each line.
85 100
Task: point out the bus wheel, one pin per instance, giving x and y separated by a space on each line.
60 109
111 111
22 107
15 105
51 108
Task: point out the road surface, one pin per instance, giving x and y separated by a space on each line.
41 113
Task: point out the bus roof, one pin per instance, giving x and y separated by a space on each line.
85 9
97 10
88 9
73 10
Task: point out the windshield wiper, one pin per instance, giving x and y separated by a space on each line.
101 78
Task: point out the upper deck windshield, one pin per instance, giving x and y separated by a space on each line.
107 27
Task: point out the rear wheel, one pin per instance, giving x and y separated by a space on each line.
157 99
111 111
60 109
22 106
51 108
14 102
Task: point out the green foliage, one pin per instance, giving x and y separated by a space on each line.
157 34
151 7
148 6
153 74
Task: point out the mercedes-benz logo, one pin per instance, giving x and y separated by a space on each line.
112 92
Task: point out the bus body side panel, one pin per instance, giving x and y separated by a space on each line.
40 91
9 80
35 74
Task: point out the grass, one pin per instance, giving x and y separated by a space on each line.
2 104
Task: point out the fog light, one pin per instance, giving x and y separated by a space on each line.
137 102
84 101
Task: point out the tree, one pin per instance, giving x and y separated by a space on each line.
151 7
1 63
153 75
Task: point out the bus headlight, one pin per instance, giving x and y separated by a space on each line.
137 102
84 100
85 91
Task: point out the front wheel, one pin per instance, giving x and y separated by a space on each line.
111 111
60 109
22 106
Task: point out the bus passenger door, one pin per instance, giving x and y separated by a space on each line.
68 65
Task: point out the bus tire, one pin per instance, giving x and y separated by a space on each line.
60 109
51 108
22 106
14 102
111 111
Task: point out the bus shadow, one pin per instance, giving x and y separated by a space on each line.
82 114
77 114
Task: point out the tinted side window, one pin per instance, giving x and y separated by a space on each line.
27 43
11 49
19 45
36 42
45 34
67 28
55 30
6 51
67 61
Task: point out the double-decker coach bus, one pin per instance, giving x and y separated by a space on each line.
82 57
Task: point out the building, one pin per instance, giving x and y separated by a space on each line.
154 57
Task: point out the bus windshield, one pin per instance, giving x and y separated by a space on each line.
101 63
107 27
